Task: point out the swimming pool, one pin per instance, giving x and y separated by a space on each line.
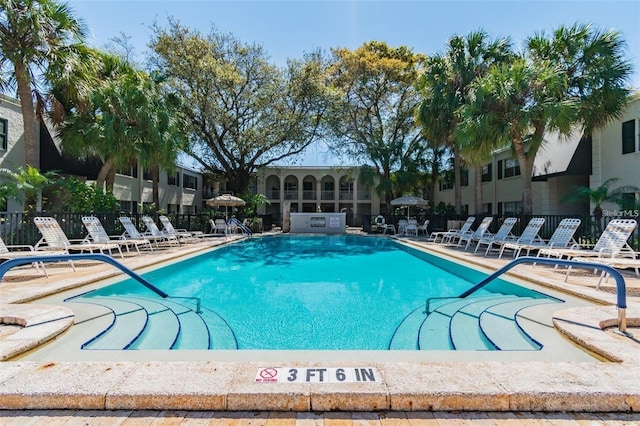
314 292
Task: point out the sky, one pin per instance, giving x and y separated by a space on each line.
288 29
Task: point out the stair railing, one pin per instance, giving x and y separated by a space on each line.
621 288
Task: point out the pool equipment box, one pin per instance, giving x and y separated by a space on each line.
323 223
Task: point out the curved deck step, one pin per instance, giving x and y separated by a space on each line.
162 327
222 336
406 334
434 333
129 320
193 332
465 325
499 317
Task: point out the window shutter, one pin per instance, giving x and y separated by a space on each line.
499 169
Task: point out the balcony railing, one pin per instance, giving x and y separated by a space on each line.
309 195
273 194
328 195
290 194
346 195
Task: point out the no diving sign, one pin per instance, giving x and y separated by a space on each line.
317 375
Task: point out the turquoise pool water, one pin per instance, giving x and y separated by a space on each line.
314 292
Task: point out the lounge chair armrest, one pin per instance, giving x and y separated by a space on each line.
21 246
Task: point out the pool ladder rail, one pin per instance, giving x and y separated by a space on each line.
621 288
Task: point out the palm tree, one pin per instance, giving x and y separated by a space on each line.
599 195
445 89
25 184
514 104
36 36
575 80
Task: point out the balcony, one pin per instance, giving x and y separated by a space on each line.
290 194
328 195
309 195
346 195
273 194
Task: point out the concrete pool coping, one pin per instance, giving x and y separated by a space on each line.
402 385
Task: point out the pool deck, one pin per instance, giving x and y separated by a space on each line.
402 385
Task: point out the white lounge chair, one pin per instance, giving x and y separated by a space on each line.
132 233
447 236
155 232
97 234
54 238
478 234
612 243
530 235
562 238
503 235
179 233
26 251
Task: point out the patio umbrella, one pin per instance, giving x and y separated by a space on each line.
226 200
408 201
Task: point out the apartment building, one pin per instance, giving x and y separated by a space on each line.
612 152
313 189
181 191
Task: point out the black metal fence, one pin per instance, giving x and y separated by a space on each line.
587 234
18 228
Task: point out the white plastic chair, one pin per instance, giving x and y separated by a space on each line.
528 236
503 235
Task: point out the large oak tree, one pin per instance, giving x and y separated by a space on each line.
243 112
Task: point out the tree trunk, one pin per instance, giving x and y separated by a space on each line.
525 173
111 179
103 173
155 179
31 145
478 190
456 181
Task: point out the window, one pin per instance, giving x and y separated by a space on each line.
290 186
487 175
510 208
4 131
487 209
307 186
445 185
146 174
511 168
189 210
346 187
190 182
464 177
629 137
173 208
628 201
173 179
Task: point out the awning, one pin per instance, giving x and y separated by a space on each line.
560 156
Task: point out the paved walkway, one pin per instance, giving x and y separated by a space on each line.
277 418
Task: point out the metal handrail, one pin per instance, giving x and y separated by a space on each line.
8 264
621 288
